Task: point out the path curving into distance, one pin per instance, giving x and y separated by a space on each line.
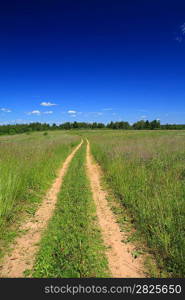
25 247
120 260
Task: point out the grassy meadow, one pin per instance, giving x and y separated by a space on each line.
146 171
28 164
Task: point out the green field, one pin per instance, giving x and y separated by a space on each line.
145 170
28 164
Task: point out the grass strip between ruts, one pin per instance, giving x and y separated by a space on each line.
72 246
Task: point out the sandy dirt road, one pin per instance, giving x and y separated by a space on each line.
121 262
25 247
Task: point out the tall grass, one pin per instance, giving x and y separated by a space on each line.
146 170
27 166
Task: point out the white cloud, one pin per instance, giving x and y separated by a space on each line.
34 112
107 109
183 28
48 112
47 104
5 110
180 34
143 117
99 113
71 112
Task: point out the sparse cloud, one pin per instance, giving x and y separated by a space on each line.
183 28
7 110
34 112
38 112
98 113
48 112
180 34
47 104
72 112
107 109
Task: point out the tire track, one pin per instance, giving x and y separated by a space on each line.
26 246
121 262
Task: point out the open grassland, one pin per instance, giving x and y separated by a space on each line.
72 245
28 164
146 171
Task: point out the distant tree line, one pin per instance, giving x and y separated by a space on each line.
140 125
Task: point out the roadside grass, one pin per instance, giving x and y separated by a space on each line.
28 165
146 173
72 246
133 236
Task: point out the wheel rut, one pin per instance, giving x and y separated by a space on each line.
26 246
120 260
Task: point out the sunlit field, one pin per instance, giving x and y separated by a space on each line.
146 171
28 164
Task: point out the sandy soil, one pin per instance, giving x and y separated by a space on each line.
26 246
121 262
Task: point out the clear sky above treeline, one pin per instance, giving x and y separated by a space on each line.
92 60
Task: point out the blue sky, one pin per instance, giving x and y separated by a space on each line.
79 60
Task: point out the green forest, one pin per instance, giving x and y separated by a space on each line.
36 126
